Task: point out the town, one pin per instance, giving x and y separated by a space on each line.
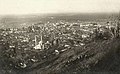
31 45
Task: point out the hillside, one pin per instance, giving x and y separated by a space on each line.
98 56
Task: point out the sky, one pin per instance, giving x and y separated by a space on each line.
58 6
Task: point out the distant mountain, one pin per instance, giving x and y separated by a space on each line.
15 21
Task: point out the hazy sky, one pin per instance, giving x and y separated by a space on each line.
58 6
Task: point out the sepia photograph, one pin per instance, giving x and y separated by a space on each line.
59 36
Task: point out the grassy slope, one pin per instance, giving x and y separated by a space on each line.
97 56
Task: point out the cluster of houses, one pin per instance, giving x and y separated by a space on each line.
39 35
43 36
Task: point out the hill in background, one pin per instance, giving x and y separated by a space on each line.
18 21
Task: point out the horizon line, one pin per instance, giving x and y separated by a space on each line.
60 13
